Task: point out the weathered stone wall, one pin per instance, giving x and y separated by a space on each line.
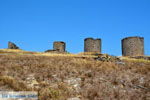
59 46
97 45
92 45
12 46
133 46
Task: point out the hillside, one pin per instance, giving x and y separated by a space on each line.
74 76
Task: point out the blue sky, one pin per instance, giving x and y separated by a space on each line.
34 24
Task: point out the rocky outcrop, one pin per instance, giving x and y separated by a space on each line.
12 46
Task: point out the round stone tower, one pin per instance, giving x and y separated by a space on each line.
97 45
59 46
92 45
133 46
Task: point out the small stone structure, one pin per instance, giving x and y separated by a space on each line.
133 46
59 46
92 45
12 46
51 51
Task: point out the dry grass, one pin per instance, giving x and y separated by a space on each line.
61 76
19 52
12 84
135 60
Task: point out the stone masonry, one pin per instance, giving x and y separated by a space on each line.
92 45
133 46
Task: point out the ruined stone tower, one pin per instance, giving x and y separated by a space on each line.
59 46
12 45
92 45
133 46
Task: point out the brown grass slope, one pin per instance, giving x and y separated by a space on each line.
61 77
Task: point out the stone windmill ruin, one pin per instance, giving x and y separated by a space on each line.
131 46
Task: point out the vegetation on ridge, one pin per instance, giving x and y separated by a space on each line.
59 77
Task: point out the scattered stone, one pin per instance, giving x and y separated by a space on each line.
51 51
107 58
31 81
12 46
55 51
141 57
74 82
120 63
76 98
